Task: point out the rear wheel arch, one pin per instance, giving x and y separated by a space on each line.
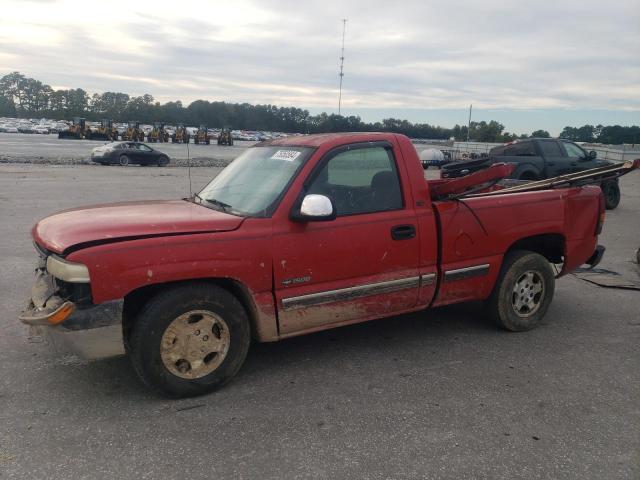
549 245
135 300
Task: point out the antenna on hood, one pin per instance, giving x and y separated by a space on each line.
188 164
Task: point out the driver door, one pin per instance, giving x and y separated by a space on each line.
361 265
578 158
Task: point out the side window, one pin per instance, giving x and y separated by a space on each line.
523 149
550 148
573 150
144 148
362 180
509 150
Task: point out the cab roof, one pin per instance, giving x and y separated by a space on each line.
318 139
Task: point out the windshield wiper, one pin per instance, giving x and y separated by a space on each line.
225 207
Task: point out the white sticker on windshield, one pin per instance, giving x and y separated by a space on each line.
287 155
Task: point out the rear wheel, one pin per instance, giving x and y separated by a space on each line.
190 340
523 291
611 191
123 160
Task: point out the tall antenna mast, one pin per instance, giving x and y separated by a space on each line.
469 124
344 27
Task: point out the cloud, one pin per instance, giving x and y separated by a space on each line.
414 54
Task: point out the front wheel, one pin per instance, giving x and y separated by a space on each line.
523 291
190 340
163 161
611 191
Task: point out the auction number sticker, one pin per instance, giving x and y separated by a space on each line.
287 155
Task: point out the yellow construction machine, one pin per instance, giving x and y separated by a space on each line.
158 134
180 135
224 137
78 130
133 133
202 135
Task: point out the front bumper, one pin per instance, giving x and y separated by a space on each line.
91 332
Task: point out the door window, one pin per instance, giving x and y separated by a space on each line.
550 148
521 149
361 180
573 150
143 148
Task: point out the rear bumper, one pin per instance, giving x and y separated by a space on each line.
595 259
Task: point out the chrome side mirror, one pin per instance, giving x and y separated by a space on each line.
315 208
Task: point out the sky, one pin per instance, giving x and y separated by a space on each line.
529 65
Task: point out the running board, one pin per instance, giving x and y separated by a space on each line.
585 177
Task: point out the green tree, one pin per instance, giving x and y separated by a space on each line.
540 134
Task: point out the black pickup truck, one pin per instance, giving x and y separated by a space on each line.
540 158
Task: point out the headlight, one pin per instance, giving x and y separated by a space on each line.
67 271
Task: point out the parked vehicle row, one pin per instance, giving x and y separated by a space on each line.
80 128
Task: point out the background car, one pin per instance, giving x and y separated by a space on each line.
432 157
125 153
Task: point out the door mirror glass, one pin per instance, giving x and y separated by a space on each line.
593 154
316 208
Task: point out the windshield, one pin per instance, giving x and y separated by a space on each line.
254 182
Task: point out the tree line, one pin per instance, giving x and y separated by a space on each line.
25 97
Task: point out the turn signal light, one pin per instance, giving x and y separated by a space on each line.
61 314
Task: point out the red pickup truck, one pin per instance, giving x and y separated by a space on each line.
298 235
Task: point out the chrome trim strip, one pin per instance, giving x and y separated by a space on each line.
466 272
349 293
427 279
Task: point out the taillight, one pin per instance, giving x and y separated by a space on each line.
601 213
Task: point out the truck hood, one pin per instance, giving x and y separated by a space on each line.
99 224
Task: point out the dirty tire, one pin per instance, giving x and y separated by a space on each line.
163 161
163 310
123 160
528 270
611 191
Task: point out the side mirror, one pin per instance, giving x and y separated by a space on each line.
593 154
315 208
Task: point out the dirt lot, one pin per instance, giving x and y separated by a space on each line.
49 149
437 394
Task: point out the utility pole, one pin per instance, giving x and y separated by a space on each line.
469 124
344 27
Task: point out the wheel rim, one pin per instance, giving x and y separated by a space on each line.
528 293
124 160
195 344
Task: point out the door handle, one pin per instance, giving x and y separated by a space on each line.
551 164
403 232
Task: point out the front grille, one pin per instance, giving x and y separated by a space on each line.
78 293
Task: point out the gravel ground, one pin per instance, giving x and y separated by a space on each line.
435 394
50 150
